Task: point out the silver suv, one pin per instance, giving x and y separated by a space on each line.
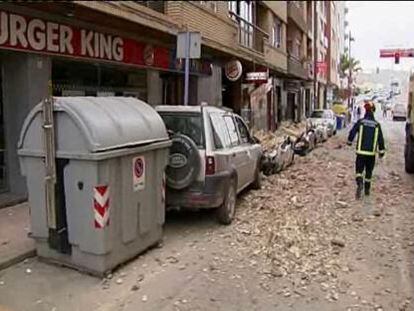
213 157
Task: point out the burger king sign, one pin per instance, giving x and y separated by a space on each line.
233 70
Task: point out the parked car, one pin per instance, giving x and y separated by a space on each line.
324 117
213 157
399 112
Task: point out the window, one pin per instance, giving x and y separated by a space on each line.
277 33
243 131
243 9
296 48
231 127
190 125
232 5
221 135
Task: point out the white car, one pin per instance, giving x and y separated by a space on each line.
399 112
324 117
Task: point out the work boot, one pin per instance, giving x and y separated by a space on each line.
360 186
358 193
367 188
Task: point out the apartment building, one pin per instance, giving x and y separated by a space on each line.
335 48
128 48
300 54
321 54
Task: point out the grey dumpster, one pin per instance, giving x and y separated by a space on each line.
110 156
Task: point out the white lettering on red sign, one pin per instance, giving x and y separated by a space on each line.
23 33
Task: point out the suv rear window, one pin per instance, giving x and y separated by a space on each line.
190 124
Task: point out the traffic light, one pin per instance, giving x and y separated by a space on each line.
397 58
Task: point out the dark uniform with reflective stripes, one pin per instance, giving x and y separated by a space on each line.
370 139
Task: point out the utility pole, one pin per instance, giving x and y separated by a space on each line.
350 70
187 67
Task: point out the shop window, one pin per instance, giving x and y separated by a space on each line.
71 78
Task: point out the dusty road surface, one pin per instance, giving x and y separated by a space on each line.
299 243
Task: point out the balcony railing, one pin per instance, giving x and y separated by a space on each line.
158 6
296 68
250 35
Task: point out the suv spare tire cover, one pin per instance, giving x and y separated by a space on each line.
183 162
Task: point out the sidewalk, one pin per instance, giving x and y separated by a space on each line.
15 245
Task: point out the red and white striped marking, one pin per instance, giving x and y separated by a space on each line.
101 206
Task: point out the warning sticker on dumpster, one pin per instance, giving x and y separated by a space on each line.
138 173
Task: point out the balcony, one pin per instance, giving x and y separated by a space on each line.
296 14
296 68
158 6
250 35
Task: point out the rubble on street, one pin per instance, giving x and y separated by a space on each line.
301 242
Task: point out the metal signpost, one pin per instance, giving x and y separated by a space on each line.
188 47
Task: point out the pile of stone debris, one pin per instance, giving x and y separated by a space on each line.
298 233
280 147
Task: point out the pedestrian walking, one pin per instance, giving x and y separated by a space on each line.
370 139
358 112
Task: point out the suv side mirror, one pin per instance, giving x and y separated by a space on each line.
255 140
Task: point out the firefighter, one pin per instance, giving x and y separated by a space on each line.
370 140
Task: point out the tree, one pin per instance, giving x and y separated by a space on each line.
347 64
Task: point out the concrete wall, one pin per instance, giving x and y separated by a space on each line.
25 84
154 88
209 87
279 8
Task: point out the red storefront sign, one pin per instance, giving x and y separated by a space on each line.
321 67
22 33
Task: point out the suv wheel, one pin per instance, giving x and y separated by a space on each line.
257 182
226 212
409 156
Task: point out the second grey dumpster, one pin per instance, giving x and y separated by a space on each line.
110 156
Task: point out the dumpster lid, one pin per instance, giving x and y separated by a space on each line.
108 122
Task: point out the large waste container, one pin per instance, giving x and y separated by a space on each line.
108 203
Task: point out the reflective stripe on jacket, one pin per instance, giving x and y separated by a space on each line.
370 138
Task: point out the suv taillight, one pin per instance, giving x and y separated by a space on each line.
210 165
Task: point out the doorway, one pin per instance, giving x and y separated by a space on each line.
3 151
291 105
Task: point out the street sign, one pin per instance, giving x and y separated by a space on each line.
257 76
138 173
194 48
391 53
233 70
188 46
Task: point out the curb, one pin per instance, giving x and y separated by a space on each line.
19 258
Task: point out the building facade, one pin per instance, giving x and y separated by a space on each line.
128 48
321 53
256 58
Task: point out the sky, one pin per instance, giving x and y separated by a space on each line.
381 24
